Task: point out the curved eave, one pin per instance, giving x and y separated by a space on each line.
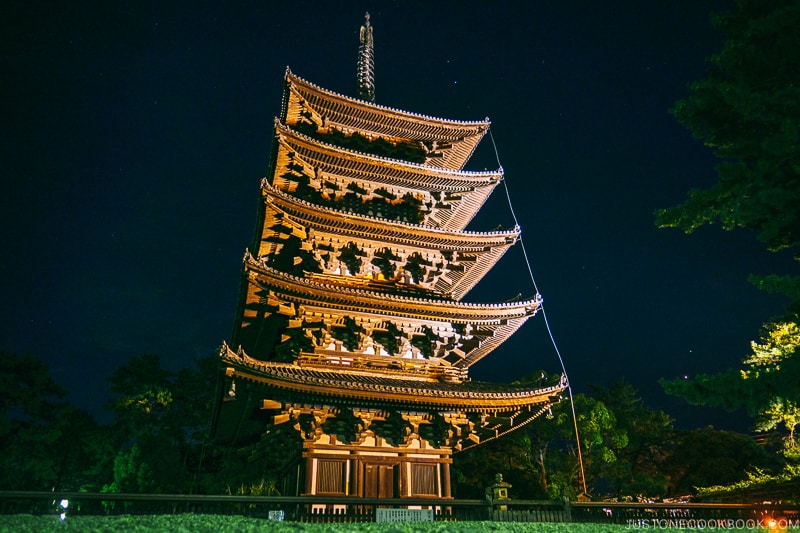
353 114
484 248
313 293
379 229
350 163
502 319
343 385
467 191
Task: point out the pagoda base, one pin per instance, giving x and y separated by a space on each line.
376 469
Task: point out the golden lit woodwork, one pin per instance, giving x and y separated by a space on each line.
350 325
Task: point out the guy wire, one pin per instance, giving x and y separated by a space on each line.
544 315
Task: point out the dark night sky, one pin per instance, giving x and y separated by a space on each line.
135 135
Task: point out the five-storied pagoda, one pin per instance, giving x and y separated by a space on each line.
350 325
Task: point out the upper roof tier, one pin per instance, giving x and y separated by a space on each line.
443 143
306 238
326 173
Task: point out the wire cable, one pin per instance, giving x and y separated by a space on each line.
544 315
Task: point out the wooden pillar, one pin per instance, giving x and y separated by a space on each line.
445 479
359 488
311 475
348 476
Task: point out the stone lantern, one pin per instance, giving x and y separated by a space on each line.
498 491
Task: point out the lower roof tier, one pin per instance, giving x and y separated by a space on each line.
281 315
461 414
386 387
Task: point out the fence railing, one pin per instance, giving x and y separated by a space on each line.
350 509
686 515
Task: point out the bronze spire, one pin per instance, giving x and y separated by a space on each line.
366 62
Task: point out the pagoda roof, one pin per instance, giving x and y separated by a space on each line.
384 388
464 191
454 140
496 321
478 251
261 392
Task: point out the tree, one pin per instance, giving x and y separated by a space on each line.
142 396
554 450
46 441
780 342
83 451
475 468
28 396
638 468
624 444
161 417
768 389
541 460
601 436
706 457
748 111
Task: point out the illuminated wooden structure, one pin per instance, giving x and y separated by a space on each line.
351 326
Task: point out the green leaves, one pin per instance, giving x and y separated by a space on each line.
26 388
706 456
768 388
623 443
46 442
160 419
748 110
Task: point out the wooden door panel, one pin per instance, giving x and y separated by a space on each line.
379 481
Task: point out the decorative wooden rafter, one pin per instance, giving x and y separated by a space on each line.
422 258
453 333
448 198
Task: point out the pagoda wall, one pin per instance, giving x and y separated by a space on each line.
376 469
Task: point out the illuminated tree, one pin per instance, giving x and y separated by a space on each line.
773 362
549 452
161 417
638 469
768 388
780 411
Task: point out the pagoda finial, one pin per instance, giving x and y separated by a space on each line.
366 62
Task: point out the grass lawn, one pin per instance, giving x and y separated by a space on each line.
199 523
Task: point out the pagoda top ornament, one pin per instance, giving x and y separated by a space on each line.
366 62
